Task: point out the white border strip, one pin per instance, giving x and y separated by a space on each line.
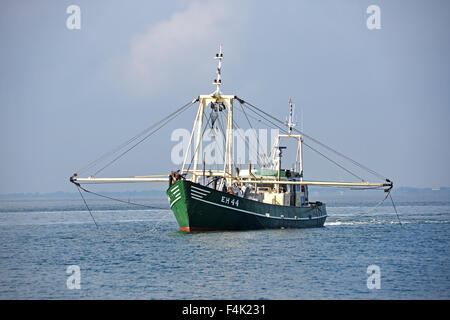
199 189
199 192
195 193
175 200
258 214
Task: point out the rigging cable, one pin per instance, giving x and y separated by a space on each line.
334 162
123 145
330 149
166 120
223 142
247 144
331 160
78 187
251 127
225 137
379 203
119 200
393 204
198 146
318 142
160 123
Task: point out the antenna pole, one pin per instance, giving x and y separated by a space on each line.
290 123
218 80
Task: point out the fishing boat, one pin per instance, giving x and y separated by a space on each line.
228 197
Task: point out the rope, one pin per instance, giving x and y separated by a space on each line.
251 127
377 205
334 162
381 202
318 142
393 204
269 123
123 145
225 137
220 128
166 120
196 148
115 199
255 149
78 186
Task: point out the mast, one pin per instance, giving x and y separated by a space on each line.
228 165
290 124
215 98
198 140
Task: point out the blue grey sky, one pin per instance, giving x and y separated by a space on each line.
67 96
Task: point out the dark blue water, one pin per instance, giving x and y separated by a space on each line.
140 254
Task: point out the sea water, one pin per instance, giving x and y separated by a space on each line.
51 249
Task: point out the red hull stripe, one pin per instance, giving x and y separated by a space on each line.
189 229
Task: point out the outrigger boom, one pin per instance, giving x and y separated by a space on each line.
239 180
131 179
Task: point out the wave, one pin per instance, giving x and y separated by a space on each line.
371 222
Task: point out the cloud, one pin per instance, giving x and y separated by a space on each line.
176 54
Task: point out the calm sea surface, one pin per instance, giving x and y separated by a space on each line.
140 254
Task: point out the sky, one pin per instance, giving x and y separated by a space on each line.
67 96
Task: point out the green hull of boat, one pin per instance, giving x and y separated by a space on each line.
199 208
